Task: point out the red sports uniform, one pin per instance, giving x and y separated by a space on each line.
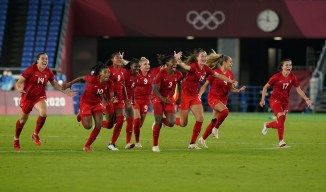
143 90
279 99
191 84
167 84
219 89
91 99
118 78
34 87
130 83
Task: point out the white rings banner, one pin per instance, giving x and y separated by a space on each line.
205 19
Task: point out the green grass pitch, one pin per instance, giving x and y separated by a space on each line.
241 160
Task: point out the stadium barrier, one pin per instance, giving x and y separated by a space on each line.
57 102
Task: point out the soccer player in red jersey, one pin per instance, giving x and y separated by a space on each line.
98 85
196 72
132 69
218 93
32 84
118 77
279 100
163 91
142 95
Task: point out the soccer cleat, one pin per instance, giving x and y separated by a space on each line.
264 130
202 142
156 149
193 146
78 117
87 148
16 145
36 139
112 147
129 146
138 145
282 143
215 133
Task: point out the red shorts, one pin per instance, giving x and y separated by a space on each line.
86 109
160 108
142 105
189 100
214 101
278 107
27 106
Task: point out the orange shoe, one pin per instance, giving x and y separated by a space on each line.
16 145
87 148
36 139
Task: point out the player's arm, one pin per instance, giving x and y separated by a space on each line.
19 84
304 96
203 88
69 84
56 85
223 78
158 94
126 95
263 94
235 90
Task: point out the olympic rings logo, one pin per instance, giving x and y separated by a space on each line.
205 19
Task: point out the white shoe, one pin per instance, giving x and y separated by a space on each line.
129 146
112 147
282 143
215 133
202 142
193 146
138 145
264 130
155 149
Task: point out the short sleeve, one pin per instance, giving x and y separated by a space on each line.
272 80
158 79
27 72
210 79
296 83
209 71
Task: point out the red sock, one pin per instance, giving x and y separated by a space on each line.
209 128
196 132
221 117
39 124
156 134
19 128
129 129
280 130
177 121
117 129
272 125
137 129
93 136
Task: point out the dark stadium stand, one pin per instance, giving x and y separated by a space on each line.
3 17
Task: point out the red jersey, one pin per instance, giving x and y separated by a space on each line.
282 86
118 78
130 83
94 89
35 83
144 85
219 88
167 83
194 77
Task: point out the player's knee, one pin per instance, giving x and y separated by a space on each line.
87 126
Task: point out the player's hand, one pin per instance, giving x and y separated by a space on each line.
114 100
242 89
66 85
21 90
309 102
166 100
70 93
262 103
234 83
178 56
